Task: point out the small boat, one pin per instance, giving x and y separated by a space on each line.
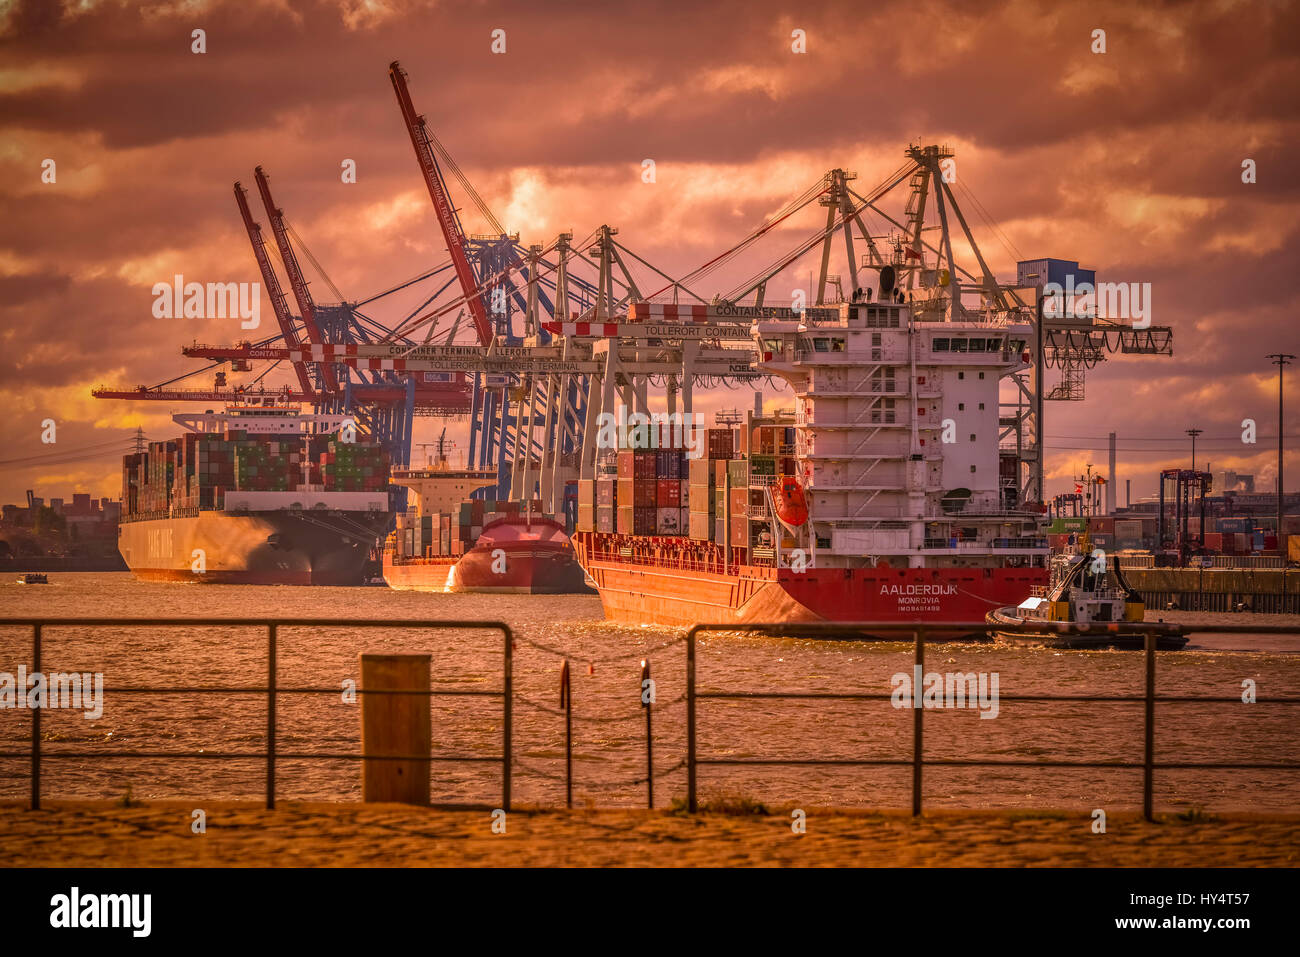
33 578
1086 589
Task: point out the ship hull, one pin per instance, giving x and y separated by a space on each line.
657 593
262 548
509 558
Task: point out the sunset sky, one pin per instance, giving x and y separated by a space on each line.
1129 161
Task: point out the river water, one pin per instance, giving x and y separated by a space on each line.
609 734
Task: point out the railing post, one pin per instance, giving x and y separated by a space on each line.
918 675
691 804
566 702
508 714
1149 736
271 636
646 701
36 722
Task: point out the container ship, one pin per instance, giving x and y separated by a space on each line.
257 494
883 495
450 543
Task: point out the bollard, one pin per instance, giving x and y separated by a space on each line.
395 725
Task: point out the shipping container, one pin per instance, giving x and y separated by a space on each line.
668 521
605 492
644 520
700 526
626 464
699 472
605 519
739 532
668 493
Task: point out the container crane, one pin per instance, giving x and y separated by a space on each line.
448 219
272 283
306 307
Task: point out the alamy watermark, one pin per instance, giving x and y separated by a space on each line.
179 299
936 690
1105 300
76 691
640 430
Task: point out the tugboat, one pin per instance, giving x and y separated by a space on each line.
1084 589
33 578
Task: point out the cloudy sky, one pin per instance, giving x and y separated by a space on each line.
1129 161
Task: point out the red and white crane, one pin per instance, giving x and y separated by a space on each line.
297 282
272 282
447 218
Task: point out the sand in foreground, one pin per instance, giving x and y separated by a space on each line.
67 834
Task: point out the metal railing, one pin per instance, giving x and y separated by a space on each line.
918 762
272 690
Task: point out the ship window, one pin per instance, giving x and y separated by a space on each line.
821 345
875 338
995 345
959 345
961 375
972 436
1018 345
940 345
976 345
981 375
837 345
961 406
981 406
972 468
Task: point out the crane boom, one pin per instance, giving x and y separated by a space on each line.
278 302
306 307
446 213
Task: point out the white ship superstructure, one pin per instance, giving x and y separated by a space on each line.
897 429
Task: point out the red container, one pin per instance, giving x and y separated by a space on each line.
739 501
721 444
624 520
644 464
644 519
740 533
668 493
645 493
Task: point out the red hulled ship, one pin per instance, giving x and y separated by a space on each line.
882 496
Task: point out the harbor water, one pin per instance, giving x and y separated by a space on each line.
609 733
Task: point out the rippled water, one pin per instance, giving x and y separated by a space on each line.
609 725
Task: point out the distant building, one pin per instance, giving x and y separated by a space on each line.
1229 481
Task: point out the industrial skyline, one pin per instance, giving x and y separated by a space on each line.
147 137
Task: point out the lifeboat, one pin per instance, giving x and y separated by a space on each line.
791 504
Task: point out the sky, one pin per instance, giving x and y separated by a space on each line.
1129 161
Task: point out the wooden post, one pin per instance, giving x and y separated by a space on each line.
1149 729
395 725
691 803
36 722
918 744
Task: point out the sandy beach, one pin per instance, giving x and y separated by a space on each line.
158 834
